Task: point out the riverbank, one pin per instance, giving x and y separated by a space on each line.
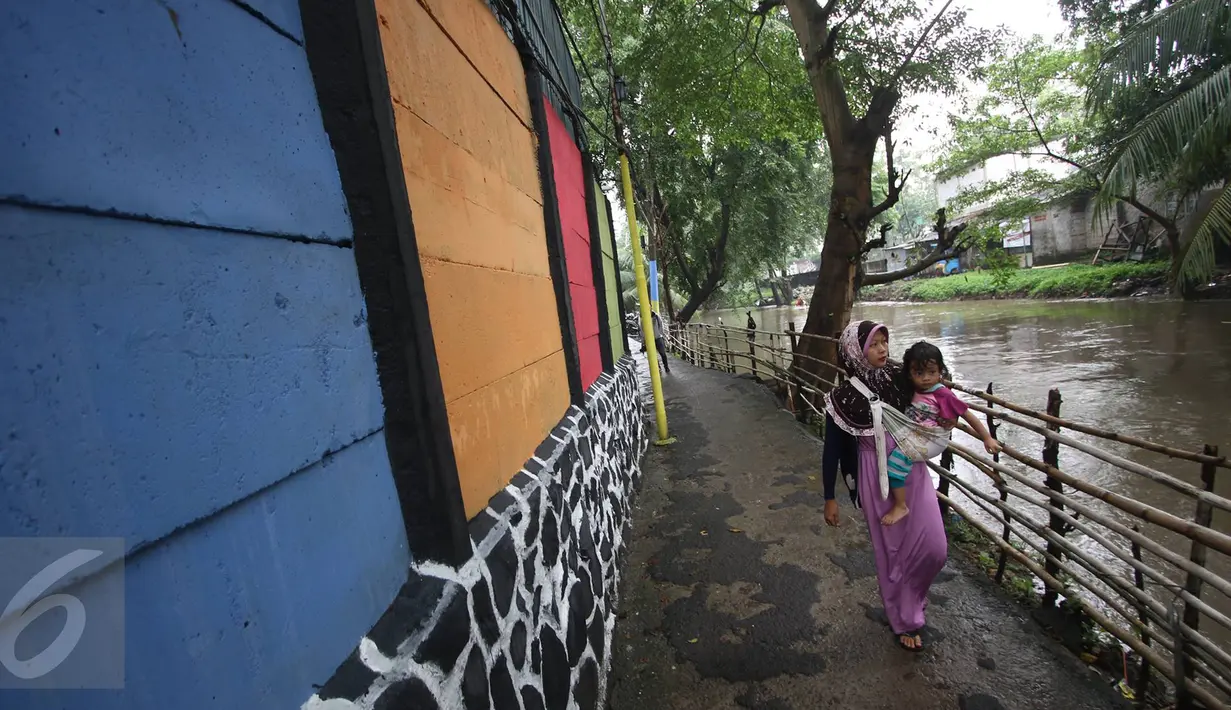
1069 281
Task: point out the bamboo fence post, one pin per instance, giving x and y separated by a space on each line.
1197 555
1051 457
1143 670
709 342
794 394
992 428
946 462
752 353
726 348
1179 656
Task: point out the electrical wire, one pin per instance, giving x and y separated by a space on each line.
574 110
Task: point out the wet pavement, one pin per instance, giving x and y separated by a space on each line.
736 595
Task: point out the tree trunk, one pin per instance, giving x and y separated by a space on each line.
667 296
852 146
784 285
666 270
716 268
829 309
1184 243
773 288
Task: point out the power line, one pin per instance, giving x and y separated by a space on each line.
584 66
552 77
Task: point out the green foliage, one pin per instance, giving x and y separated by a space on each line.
1178 59
1001 265
1034 96
720 122
1074 280
915 212
876 38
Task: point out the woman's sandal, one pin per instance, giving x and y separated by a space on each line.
914 635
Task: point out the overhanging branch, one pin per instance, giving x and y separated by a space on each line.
896 182
910 56
947 247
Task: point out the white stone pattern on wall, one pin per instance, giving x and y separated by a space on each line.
527 623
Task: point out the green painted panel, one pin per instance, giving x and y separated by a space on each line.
614 317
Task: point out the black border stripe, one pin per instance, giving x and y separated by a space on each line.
342 39
596 261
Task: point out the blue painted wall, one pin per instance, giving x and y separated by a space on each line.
174 369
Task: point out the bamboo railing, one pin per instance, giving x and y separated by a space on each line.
1083 542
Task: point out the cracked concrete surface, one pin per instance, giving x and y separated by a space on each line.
736 595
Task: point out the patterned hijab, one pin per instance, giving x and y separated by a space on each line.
848 408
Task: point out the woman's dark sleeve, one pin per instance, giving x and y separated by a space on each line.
836 444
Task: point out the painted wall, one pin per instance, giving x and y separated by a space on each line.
610 266
528 623
463 124
571 197
184 355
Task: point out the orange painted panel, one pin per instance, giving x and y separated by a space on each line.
472 25
433 80
461 211
496 429
487 324
471 166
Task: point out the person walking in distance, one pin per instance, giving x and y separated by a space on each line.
752 327
656 327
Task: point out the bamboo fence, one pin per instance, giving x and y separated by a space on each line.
1069 533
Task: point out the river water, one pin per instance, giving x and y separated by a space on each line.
1153 369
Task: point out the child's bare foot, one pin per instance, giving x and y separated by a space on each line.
895 514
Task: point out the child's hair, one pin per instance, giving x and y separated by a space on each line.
918 355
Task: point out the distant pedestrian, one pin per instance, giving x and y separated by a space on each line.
752 327
660 345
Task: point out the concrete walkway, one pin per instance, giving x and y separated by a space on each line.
736 595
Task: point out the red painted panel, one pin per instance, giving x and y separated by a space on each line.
571 196
577 257
584 303
591 360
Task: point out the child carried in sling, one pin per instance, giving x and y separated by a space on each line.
923 431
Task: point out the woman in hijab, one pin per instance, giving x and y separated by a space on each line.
910 553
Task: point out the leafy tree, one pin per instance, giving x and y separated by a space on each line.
1035 107
1178 59
722 135
1116 136
861 58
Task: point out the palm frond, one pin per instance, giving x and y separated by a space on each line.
1197 263
1193 123
1160 42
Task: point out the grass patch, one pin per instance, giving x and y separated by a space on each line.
1072 281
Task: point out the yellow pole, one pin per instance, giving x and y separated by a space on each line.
643 300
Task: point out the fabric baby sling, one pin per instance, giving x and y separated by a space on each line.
916 441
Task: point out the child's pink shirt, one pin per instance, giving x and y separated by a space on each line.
928 408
